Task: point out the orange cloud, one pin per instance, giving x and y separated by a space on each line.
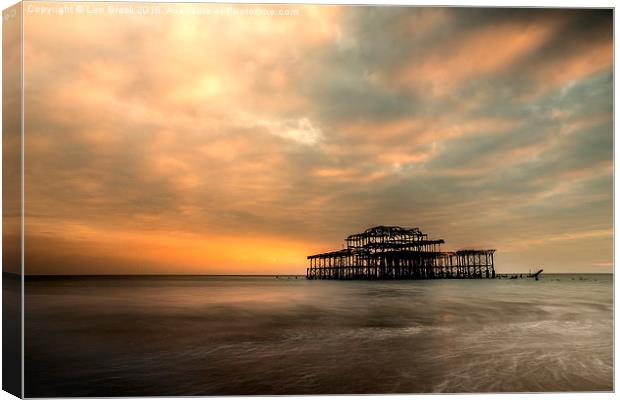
489 49
595 57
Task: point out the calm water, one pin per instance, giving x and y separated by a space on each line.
261 335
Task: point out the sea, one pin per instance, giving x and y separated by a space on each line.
268 335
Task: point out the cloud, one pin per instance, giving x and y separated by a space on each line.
300 130
486 50
486 127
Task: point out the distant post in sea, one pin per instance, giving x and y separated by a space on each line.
393 252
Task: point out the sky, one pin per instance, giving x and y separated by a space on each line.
238 144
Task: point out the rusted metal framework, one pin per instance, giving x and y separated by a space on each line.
393 252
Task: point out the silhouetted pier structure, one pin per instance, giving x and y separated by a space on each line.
393 252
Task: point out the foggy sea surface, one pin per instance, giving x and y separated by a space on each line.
125 336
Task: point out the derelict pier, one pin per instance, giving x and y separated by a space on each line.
393 252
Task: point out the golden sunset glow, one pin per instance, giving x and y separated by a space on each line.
237 144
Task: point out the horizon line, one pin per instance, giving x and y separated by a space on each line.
241 275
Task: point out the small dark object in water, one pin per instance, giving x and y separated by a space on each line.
535 275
